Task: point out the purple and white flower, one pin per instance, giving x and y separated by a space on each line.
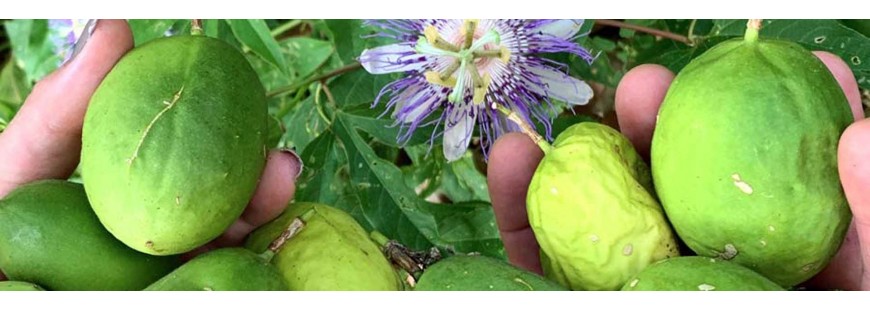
63 34
470 68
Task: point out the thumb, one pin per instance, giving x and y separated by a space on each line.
43 141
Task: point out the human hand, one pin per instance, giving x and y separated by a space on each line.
514 158
43 141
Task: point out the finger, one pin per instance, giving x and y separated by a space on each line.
846 79
274 191
43 141
638 97
854 172
844 271
512 162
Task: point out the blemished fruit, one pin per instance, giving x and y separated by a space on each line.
591 206
225 269
331 252
696 273
19 286
173 143
481 273
744 157
50 236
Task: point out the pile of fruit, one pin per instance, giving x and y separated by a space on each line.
742 192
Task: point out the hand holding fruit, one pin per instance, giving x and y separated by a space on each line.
44 140
514 160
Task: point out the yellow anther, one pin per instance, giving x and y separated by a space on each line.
468 31
431 34
435 78
505 55
480 90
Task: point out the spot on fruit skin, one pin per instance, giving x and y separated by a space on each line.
706 287
742 185
627 249
633 283
594 238
730 252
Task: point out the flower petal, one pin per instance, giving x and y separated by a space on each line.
399 57
457 134
562 28
559 85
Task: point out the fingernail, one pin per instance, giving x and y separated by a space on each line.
292 152
83 39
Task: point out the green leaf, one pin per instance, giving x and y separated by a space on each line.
145 30
383 129
814 34
305 55
463 182
255 34
384 202
304 123
32 45
14 89
348 36
359 87
276 131
424 173
218 28
324 177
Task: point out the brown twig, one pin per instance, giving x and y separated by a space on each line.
326 91
294 86
652 31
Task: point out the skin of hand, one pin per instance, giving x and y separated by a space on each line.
514 158
43 141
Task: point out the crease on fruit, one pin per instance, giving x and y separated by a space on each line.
519 280
169 105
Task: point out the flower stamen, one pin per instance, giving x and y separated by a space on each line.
435 40
468 32
435 78
450 70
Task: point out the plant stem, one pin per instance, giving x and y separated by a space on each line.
691 34
294 86
652 31
196 27
285 27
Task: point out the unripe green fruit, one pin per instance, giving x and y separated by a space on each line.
480 273
173 143
592 211
19 286
331 252
695 273
744 157
225 269
50 236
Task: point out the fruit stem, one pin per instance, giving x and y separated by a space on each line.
379 238
398 254
525 128
752 28
196 27
294 228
